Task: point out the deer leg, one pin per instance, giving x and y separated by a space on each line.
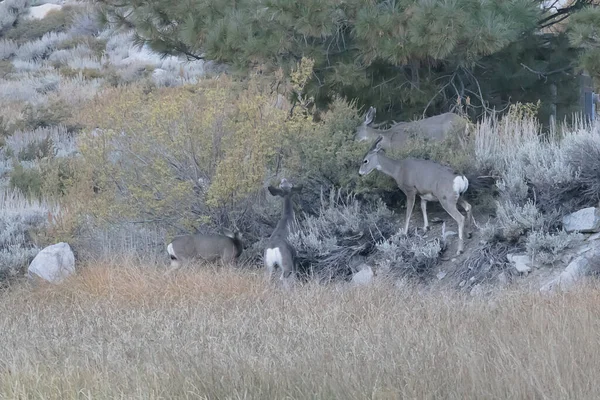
463 203
410 204
460 220
424 210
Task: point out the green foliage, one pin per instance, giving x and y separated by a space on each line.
401 56
54 21
36 150
28 180
584 32
187 155
55 112
548 248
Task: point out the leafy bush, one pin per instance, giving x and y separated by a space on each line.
27 180
10 10
40 48
547 248
192 154
8 48
30 30
20 220
342 229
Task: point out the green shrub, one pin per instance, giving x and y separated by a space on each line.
36 150
54 113
547 248
28 30
28 180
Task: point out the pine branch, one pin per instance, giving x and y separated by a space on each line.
566 11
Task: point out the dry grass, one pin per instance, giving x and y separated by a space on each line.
129 332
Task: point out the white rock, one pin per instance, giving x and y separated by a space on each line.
585 220
364 276
441 275
54 263
521 262
40 12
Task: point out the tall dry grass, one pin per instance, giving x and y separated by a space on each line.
129 332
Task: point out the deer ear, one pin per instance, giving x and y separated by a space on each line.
297 189
370 116
275 191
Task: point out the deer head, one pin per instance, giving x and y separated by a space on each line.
364 131
371 161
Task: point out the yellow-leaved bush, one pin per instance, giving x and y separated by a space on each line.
176 155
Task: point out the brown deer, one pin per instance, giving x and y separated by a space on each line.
430 180
434 128
205 247
279 253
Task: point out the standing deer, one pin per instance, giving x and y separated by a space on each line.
279 253
430 180
205 247
434 128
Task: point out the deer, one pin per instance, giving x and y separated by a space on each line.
434 128
279 252
206 247
428 179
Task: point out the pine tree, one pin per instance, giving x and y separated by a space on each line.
405 57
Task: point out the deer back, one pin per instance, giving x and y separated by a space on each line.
206 246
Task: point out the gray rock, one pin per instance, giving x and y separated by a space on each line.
584 220
585 264
476 291
593 237
364 276
53 264
521 262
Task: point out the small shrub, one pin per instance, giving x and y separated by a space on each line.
36 150
514 220
341 229
547 248
30 30
20 221
41 48
54 113
28 181
412 256
8 48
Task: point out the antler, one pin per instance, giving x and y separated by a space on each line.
376 145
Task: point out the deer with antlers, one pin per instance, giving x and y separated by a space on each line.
436 128
428 179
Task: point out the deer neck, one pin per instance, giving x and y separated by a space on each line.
387 165
287 216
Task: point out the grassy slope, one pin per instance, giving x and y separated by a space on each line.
122 332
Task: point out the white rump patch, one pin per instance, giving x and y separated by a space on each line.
460 185
170 250
272 257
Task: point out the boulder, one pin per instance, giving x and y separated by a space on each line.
584 264
584 220
521 262
53 264
40 12
364 276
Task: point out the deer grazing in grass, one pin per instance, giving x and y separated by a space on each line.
279 253
436 128
430 180
205 247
